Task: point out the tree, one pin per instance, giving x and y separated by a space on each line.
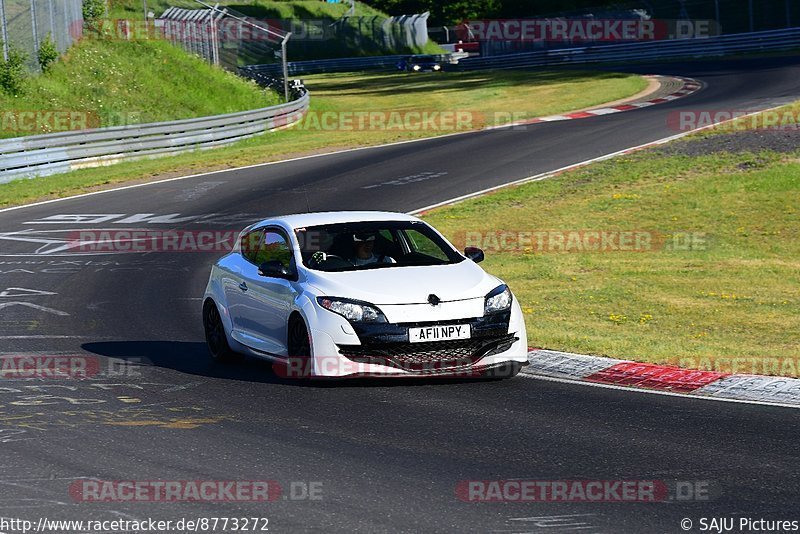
48 53
93 10
12 72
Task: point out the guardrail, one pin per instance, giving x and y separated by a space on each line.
42 155
700 47
325 65
600 53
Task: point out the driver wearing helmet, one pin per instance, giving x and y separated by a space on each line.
363 250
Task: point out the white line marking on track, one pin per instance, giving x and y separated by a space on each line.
653 391
537 177
34 306
603 111
254 166
550 174
23 292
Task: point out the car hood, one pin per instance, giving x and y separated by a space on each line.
406 285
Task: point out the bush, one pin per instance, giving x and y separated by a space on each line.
93 10
12 72
48 53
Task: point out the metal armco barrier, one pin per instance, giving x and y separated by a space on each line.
42 155
325 65
701 47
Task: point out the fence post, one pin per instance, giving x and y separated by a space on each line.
70 26
4 29
34 26
214 36
52 9
285 66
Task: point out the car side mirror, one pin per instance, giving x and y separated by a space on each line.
474 253
274 269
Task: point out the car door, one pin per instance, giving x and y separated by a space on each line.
233 280
269 300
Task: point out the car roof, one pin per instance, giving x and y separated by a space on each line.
301 220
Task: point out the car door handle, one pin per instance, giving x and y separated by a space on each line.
243 286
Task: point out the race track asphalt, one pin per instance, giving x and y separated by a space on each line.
388 455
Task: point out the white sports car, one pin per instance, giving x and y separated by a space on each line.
343 294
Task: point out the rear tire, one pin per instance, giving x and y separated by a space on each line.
216 340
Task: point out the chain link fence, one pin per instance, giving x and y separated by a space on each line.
235 39
222 35
26 24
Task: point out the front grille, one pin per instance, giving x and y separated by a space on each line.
429 357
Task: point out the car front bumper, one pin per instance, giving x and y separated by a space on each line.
384 349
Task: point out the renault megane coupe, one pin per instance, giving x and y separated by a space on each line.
344 294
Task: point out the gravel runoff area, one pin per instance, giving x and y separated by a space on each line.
783 141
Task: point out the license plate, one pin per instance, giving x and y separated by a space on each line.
438 333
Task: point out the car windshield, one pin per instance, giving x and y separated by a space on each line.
373 245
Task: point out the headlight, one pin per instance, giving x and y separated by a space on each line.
499 299
353 310
436 67
416 67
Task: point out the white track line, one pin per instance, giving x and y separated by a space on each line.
256 165
549 174
533 178
653 391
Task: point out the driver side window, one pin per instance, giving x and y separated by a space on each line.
250 244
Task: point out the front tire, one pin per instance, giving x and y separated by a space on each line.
503 372
299 344
298 364
216 340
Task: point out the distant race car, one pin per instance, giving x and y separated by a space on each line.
420 64
342 294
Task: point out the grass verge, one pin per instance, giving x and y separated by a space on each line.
479 95
118 82
713 284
